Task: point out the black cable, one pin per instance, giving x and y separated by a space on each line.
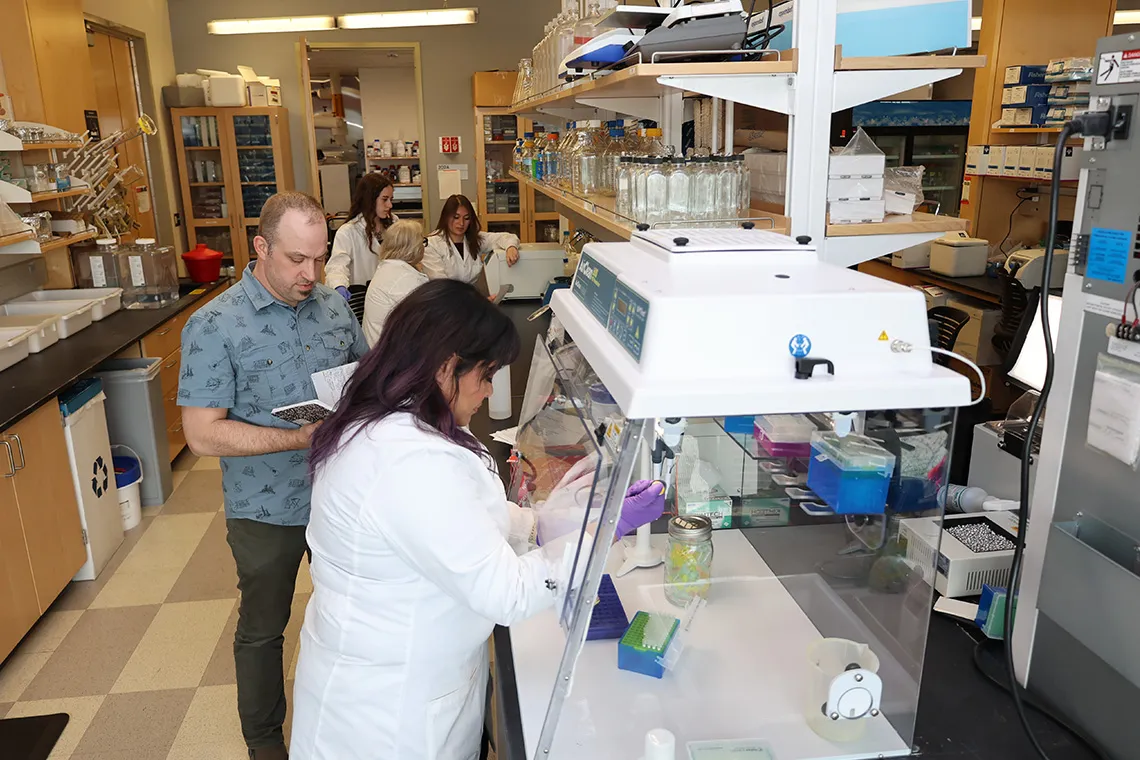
748 23
1009 230
1034 421
1032 703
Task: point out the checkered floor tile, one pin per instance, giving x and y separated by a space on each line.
142 657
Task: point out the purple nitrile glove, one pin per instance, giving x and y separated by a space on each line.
343 291
644 503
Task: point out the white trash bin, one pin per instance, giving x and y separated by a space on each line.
92 474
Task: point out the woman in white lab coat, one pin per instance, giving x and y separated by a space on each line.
353 258
397 275
416 552
456 249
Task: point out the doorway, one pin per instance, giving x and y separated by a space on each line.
364 113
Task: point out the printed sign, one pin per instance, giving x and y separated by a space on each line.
449 145
1119 67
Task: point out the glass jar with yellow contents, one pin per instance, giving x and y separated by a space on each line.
688 563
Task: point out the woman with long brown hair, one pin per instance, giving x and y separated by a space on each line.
357 243
455 250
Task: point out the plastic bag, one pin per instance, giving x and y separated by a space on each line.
10 221
861 145
902 189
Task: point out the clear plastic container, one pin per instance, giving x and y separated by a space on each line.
97 266
640 168
623 186
148 275
688 562
526 159
851 474
584 157
679 182
727 189
784 435
611 160
594 161
550 159
656 191
702 190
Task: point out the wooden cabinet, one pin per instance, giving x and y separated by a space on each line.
230 160
504 205
44 492
19 607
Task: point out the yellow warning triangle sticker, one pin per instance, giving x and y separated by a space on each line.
884 337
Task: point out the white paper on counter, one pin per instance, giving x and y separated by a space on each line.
1114 417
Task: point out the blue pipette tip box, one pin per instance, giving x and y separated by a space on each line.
635 656
608 620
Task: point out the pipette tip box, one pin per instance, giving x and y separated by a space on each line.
635 656
608 620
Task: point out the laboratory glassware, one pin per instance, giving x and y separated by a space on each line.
689 558
656 191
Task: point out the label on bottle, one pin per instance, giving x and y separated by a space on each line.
138 278
98 273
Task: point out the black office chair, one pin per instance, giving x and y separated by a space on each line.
357 296
946 324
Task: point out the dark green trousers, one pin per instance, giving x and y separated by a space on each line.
268 558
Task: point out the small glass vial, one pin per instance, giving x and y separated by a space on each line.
688 563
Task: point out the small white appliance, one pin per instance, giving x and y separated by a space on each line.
962 569
956 254
1026 265
538 264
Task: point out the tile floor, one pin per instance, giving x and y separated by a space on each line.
142 657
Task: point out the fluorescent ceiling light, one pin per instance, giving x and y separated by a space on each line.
1122 18
353 124
268 25
394 19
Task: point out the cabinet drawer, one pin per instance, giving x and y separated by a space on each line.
171 409
175 439
171 366
167 338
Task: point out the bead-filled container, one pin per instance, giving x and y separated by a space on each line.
688 560
851 474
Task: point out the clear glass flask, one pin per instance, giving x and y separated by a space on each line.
639 167
727 190
745 203
702 190
623 187
656 191
679 182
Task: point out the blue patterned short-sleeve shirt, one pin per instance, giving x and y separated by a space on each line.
249 353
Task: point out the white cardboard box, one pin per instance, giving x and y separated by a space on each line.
866 165
935 296
899 202
1012 161
915 257
855 188
857 212
1027 162
263 95
996 163
975 342
956 254
977 160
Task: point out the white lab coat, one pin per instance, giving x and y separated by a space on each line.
442 259
414 562
391 283
353 260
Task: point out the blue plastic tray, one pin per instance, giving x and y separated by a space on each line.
609 620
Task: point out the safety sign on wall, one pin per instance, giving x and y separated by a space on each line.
449 145
1119 67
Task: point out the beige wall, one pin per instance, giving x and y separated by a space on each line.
507 31
389 104
151 18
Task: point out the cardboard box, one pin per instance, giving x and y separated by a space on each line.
899 202
975 342
854 189
1070 163
494 89
977 160
857 212
1026 95
996 163
1027 162
1024 74
864 165
956 254
915 257
1012 161
1033 116
935 296
263 95
174 96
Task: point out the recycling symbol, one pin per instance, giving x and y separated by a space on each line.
99 468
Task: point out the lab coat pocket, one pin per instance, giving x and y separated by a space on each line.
455 721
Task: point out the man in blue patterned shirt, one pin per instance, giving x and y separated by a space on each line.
249 351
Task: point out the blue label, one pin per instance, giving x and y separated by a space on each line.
594 286
799 346
1108 255
628 319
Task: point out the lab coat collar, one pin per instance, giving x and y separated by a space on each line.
259 297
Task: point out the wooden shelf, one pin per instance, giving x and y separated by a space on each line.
207 184
395 158
53 146
203 147
1022 180
1026 130
55 195
254 147
599 209
260 183
515 217
18 237
899 224
641 81
406 184
903 62
498 142
63 242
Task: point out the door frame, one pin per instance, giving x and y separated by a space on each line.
304 47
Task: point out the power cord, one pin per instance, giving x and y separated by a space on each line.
1089 124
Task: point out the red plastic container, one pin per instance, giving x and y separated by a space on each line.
203 264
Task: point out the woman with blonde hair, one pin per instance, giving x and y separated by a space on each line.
397 274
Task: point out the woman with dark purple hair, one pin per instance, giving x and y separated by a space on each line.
417 554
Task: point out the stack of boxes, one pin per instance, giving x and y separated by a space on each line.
855 188
1070 81
1031 162
1025 97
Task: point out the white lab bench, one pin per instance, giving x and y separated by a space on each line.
749 611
